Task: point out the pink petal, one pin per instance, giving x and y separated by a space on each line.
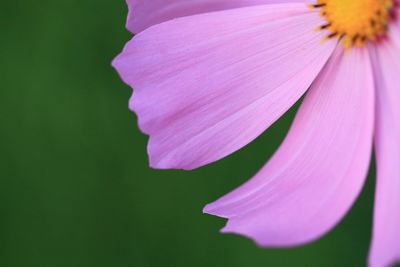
145 13
316 175
385 248
207 85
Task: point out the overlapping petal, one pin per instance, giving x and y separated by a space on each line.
207 85
317 173
145 13
385 248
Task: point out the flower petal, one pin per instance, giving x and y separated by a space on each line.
207 85
317 173
145 13
385 248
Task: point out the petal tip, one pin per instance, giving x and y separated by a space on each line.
156 164
208 209
212 209
163 164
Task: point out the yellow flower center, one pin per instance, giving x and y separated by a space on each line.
355 22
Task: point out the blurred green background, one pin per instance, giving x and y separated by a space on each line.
75 187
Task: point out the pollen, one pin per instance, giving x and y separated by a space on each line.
355 22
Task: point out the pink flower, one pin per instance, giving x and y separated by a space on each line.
212 75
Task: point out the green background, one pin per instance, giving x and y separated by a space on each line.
75 187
